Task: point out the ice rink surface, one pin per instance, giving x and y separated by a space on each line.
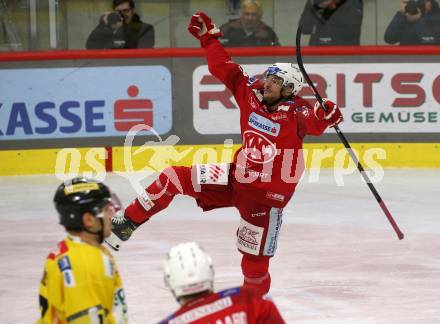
338 259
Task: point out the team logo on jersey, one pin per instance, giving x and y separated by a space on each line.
263 124
258 148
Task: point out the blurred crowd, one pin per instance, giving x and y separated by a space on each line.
325 22
328 22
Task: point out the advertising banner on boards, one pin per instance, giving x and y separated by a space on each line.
81 102
375 98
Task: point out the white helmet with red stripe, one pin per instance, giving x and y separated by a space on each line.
188 270
290 73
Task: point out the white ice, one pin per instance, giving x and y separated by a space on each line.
338 259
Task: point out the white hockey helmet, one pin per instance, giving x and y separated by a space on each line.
290 73
188 270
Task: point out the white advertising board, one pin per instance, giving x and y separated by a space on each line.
374 98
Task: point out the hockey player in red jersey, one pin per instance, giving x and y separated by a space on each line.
189 275
262 178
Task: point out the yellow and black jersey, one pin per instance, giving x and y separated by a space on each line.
81 285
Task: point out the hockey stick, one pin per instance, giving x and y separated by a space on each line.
344 140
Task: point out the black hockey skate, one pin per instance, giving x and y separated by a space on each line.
122 228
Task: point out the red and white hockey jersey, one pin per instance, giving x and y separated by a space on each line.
270 162
235 305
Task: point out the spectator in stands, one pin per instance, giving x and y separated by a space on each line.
332 22
414 23
121 28
431 14
248 30
233 7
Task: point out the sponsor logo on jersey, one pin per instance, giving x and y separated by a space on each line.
283 108
278 116
263 124
120 306
258 214
145 201
275 196
69 279
66 270
249 237
64 263
275 221
212 173
229 292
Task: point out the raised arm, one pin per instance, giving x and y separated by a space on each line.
101 37
219 62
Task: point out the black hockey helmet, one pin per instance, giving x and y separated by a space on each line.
79 195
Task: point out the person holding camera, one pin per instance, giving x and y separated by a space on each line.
431 15
122 28
332 22
409 27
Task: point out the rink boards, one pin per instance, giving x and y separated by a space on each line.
65 111
156 158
